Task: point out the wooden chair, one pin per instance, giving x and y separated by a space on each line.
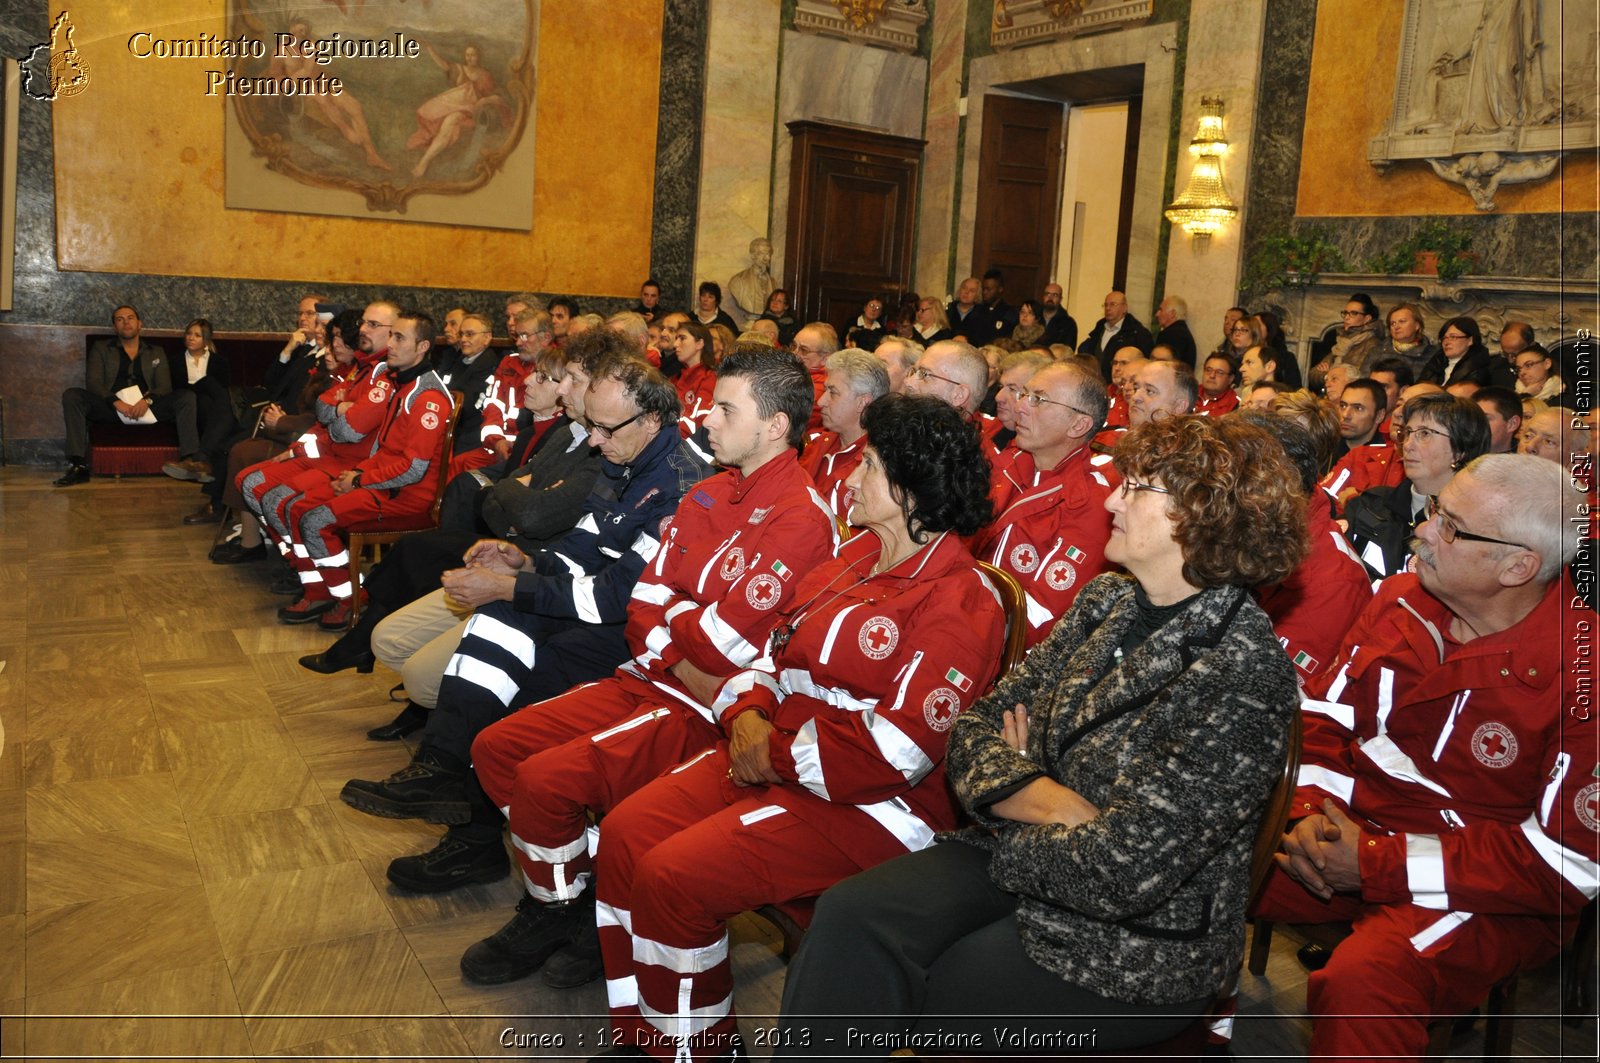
379 533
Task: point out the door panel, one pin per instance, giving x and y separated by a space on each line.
1019 187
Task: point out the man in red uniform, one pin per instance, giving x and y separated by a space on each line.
1052 526
347 414
727 562
1376 465
502 398
1449 798
393 483
855 378
1218 379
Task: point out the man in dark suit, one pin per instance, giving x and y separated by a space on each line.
1002 316
1058 324
114 366
1175 334
1116 330
967 316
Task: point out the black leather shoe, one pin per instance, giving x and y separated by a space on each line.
456 861
328 662
1312 956
234 554
77 473
520 947
420 790
412 718
577 962
206 514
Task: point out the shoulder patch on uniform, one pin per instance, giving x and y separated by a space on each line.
760 515
703 499
648 495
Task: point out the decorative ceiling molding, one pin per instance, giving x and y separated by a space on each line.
1018 23
891 24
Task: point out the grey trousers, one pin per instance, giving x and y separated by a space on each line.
78 408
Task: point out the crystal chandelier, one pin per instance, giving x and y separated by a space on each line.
1204 206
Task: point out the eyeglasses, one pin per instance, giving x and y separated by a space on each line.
1354 313
1037 399
609 431
1135 485
539 376
520 337
1450 531
371 324
1412 433
1454 336
923 373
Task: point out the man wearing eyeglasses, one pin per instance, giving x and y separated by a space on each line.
1449 798
1052 526
955 373
813 345
501 398
465 365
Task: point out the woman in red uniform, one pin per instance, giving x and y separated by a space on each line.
836 739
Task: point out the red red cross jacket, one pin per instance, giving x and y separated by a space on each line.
695 386
344 439
1470 760
829 465
411 437
1374 465
1313 609
1051 530
1116 407
875 669
1217 405
502 398
727 563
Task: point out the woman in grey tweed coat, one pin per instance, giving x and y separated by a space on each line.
1116 778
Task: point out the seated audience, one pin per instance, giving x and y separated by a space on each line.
1161 389
708 306
1059 327
777 312
1124 362
695 383
1015 371
1442 434
1263 393
1218 379
1030 326
1444 803
1002 315
1360 336
1463 359
649 304
1536 377
1549 435
532 331
965 317
813 344
1394 375
203 371
932 325
130 380
855 379
871 317
1230 317
563 311
1406 341
1316 418
1361 406
1082 893
466 366
898 356
1334 380
1116 330
1275 341
1503 410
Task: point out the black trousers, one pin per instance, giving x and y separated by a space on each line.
926 947
79 407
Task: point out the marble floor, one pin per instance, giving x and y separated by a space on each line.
178 877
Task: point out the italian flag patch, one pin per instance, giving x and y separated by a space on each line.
783 570
962 682
1076 555
1306 661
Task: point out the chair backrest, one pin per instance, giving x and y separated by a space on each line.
1016 607
441 461
1275 817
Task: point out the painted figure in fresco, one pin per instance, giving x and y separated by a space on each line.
444 118
343 112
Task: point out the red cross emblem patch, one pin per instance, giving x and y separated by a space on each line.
1587 804
733 564
879 636
1024 558
939 708
1494 745
1060 575
430 420
376 394
763 592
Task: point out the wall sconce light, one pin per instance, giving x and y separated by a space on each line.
1204 207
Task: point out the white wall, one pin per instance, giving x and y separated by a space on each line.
1092 179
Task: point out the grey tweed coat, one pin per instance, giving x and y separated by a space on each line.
1146 902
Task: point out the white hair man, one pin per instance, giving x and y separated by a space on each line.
855 379
899 357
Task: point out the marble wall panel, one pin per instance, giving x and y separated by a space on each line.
738 123
829 80
941 160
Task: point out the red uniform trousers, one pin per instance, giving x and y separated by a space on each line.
1401 965
547 765
681 857
271 485
317 518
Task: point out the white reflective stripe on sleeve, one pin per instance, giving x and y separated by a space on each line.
574 569
1038 615
686 1022
999 556
726 638
1385 698
1343 546
1580 872
905 679
484 675
896 747
622 992
1343 715
1558 774
508 638
716 556
1340 786
1450 723
896 817
764 812
587 523
681 608
833 633
645 546
610 552
309 443
1436 931
807 761
1337 686
1338 482
800 681
654 593
583 600
1382 751
739 685
1425 871
610 915
656 640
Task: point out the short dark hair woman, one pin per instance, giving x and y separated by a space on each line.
1117 779
836 739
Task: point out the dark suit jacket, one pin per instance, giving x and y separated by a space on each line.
471 380
1180 339
1002 319
1060 329
1132 334
977 326
1487 370
105 358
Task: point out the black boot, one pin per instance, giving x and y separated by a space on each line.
423 789
577 962
463 856
520 947
412 718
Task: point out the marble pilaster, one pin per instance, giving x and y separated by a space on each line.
741 93
1222 59
940 160
1152 47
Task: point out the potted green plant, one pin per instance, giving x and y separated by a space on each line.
1293 259
1433 248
